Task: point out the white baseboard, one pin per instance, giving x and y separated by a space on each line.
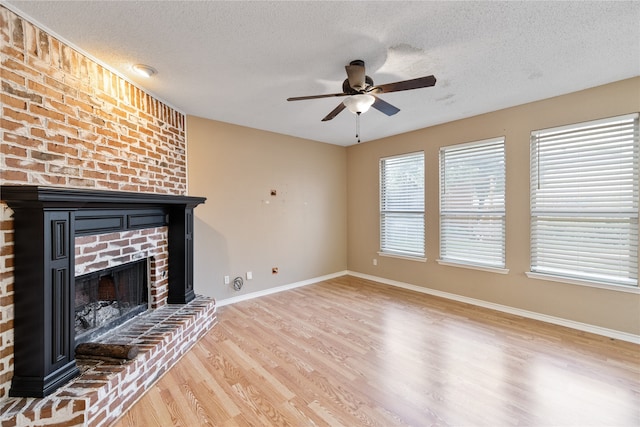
610 333
277 289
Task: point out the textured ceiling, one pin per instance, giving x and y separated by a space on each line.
237 62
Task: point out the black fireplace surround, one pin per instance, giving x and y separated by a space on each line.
46 221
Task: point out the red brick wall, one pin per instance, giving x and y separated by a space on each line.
66 121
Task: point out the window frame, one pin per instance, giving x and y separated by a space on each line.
384 212
473 216
540 210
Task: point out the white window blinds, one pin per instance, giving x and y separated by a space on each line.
584 201
402 205
472 203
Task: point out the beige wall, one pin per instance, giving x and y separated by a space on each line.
599 307
241 227
328 196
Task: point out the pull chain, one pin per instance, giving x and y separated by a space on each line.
358 126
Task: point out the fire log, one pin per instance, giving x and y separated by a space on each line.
115 351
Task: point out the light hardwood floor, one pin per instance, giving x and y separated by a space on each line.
350 352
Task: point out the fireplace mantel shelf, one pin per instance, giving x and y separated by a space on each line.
16 195
46 221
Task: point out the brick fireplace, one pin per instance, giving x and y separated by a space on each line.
155 230
52 226
69 123
47 221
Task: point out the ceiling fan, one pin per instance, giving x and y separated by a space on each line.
362 92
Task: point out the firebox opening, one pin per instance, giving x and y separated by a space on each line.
107 298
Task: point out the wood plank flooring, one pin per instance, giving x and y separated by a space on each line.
350 352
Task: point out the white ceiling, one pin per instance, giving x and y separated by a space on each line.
238 61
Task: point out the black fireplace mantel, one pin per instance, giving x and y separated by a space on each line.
46 221
24 195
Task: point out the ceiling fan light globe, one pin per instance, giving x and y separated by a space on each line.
359 103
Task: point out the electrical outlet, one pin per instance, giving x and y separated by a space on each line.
375 261
227 280
249 275
274 270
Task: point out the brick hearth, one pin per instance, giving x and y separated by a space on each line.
105 389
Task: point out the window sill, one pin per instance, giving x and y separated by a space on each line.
474 267
407 257
552 278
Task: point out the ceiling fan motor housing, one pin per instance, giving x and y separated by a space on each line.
346 87
356 77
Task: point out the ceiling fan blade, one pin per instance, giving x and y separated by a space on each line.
356 75
334 113
418 83
385 107
328 95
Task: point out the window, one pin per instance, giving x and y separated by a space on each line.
402 205
584 201
472 204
